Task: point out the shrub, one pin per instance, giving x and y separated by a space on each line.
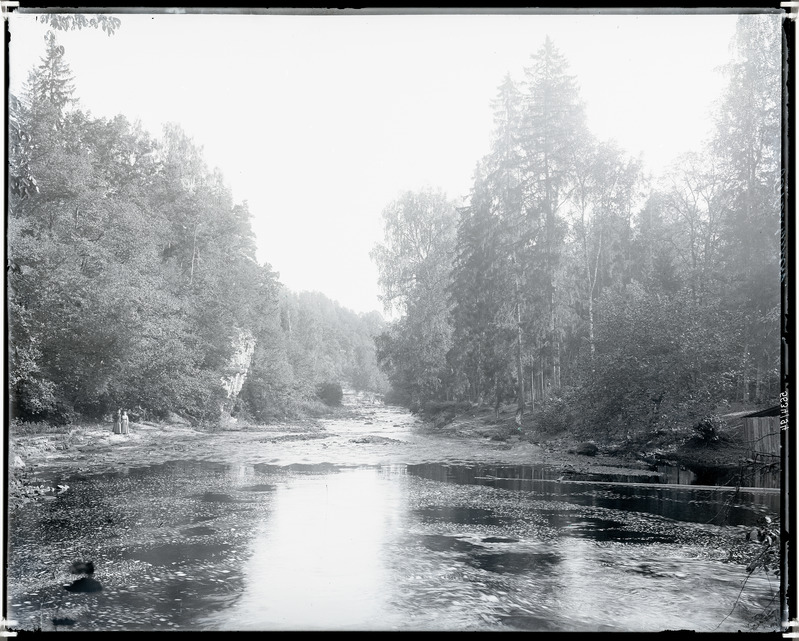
330 393
709 430
310 407
396 396
554 415
435 407
30 428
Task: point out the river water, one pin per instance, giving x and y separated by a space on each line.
327 545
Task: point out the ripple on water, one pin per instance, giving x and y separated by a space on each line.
425 547
461 514
441 543
514 562
170 553
215 497
200 530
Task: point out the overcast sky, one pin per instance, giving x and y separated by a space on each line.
320 121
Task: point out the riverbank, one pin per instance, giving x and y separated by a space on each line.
724 450
38 452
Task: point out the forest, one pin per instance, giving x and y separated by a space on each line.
576 285
132 279
593 295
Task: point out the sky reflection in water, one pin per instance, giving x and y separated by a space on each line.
318 559
382 549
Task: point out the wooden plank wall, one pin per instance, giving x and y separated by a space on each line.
762 434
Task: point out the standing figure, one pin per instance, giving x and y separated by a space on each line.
124 422
118 423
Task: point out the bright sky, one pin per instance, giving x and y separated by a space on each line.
320 121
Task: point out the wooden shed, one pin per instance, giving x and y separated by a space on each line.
761 432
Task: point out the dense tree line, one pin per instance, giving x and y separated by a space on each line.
309 345
589 293
132 278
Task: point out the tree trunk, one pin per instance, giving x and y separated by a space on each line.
591 277
519 368
759 383
745 374
554 343
497 397
550 241
193 253
541 380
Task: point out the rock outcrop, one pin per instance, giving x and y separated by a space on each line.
239 365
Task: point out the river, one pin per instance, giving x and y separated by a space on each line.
328 535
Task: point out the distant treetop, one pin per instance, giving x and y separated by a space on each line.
68 22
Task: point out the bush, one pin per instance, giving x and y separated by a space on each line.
554 415
310 407
586 449
660 364
30 428
709 430
397 396
35 400
202 399
436 407
330 393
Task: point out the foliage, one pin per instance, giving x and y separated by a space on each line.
760 550
708 430
483 299
414 266
435 407
555 415
748 146
600 301
661 362
25 428
414 260
330 393
78 21
305 340
605 301
132 274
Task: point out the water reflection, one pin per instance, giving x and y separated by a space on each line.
420 547
442 543
181 552
318 561
764 476
515 562
385 548
598 529
461 514
676 475
716 505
